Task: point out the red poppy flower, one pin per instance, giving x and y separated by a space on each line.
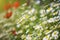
7 6
16 4
8 15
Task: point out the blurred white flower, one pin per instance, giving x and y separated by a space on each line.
18 25
27 31
24 4
23 36
26 11
46 37
55 34
28 37
33 18
44 18
51 4
20 31
22 18
26 26
50 20
31 11
42 15
55 13
56 18
48 31
31 23
37 2
53 19
49 9
44 22
59 13
25 16
38 27
42 11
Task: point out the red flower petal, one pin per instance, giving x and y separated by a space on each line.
14 32
8 15
16 5
7 6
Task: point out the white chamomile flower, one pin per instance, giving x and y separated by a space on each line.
38 27
24 4
23 36
31 11
49 9
31 23
46 37
18 25
37 2
26 26
55 13
51 4
26 11
48 31
59 13
42 11
44 18
33 18
55 34
50 20
22 18
21 31
42 15
27 16
28 37
27 31
44 22
56 18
